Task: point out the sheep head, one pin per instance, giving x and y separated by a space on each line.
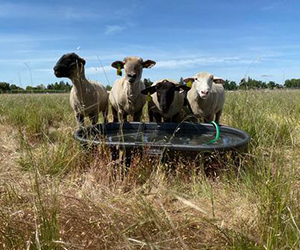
203 82
69 65
165 91
133 67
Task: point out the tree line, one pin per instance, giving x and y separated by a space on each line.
64 87
251 83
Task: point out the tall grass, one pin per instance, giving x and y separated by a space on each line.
57 195
35 114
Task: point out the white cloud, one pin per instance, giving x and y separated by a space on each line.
48 71
271 6
190 63
45 10
23 61
97 70
23 38
114 29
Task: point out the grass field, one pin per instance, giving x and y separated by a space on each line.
55 195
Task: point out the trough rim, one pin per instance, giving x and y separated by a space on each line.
142 126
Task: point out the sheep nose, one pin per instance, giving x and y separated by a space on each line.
131 80
204 92
164 107
55 68
132 75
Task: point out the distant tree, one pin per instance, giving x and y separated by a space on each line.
242 84
230 85
272 85
108 87
50 86
147 82
292 83
256 84
4 87
181 81
40 87
251 83
61 86
262 85
68 87
15 87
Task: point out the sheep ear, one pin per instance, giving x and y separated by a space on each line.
218 80
118 65
191 79
148 64
150 90
78 61
81 60
182 87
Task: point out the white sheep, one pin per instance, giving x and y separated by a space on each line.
87 98
125 95
168 99
207 96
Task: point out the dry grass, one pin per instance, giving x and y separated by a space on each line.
55 195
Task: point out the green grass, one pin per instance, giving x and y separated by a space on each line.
55 195
35 114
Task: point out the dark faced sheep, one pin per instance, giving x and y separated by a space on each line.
168 99
87 98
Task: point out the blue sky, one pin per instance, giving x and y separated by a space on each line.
230 39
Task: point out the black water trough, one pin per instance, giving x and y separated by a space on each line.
156 138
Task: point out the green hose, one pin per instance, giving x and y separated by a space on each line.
217 137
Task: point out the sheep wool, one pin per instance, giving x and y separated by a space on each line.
87 98
206 97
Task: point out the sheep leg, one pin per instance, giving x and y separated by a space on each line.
150 113
218 115
157 117
114 154
115 114
125 117
209 119
104 113
137 115
175 118
80 119
153 115
94 119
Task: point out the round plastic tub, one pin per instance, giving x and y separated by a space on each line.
158 137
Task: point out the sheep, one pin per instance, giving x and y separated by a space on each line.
87 98
168 99
206 97
125 96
